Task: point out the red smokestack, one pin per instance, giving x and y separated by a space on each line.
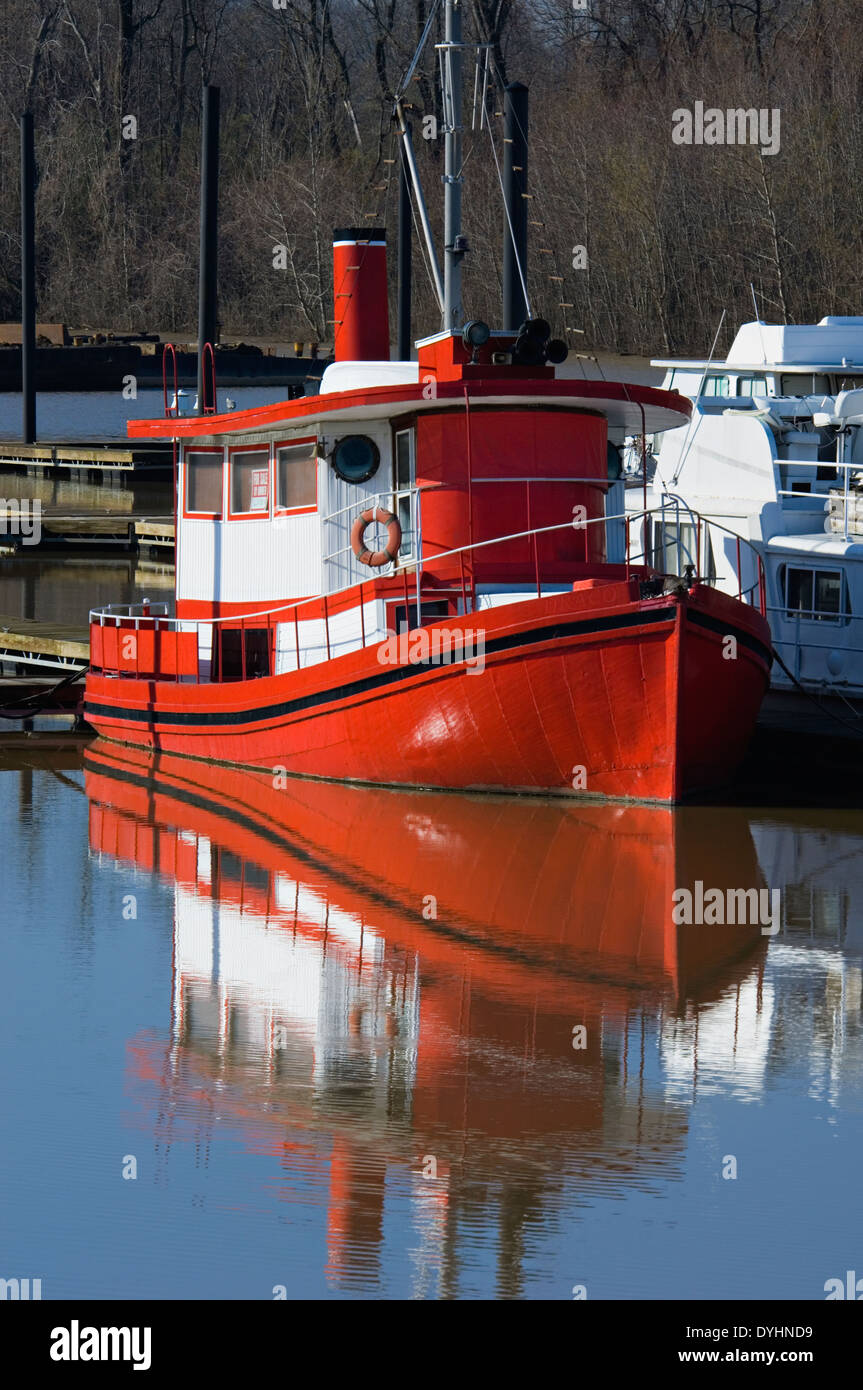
360 292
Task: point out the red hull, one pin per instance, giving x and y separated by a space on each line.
640 694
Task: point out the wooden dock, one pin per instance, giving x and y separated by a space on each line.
121 532
88 456
25 643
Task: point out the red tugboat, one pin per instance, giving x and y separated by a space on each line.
530 663
486 641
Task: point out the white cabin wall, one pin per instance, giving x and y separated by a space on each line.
348 500
345 630
729 456
267 559
249 561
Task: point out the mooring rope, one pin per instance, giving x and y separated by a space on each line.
36 704
855 728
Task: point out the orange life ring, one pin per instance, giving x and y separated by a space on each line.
394 537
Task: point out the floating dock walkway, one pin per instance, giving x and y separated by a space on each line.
88 456
135 535
25 642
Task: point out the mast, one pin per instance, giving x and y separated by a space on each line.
452 105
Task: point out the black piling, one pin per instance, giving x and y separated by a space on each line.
516 204
208 264
28 282
405 345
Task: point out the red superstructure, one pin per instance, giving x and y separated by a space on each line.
539 651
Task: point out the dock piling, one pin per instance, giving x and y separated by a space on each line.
208 264
28 282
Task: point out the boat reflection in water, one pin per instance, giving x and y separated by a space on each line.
465 1005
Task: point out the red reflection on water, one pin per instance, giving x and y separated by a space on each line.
406 973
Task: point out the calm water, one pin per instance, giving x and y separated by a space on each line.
64 588
334 1030
76 415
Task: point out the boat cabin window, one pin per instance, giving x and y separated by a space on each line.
404 472
804 384
250 482
716 386
203 474
241 654
355 458
297 476
676 545
844 382
815 595
751 386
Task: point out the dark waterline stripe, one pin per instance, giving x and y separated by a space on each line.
745 639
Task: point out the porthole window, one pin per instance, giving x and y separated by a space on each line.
356 458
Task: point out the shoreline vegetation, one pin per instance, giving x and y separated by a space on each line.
637 242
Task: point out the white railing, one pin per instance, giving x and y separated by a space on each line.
841 634
343 558
843 469
137 616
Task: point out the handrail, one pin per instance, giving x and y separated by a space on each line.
174 409
455 485
213 628
416 490
110 610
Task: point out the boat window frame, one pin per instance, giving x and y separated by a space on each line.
187 512
684 541
750 377
258 515
405 424
843 615
290 444
785 384
716 378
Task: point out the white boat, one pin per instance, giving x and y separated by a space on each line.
774 452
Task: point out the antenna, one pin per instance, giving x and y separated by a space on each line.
758 321
687 439
454 244
410 157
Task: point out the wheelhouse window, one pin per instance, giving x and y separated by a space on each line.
815 595
716 386
751 386
677 544
805 384
297 476
250 482
404 472
203 475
